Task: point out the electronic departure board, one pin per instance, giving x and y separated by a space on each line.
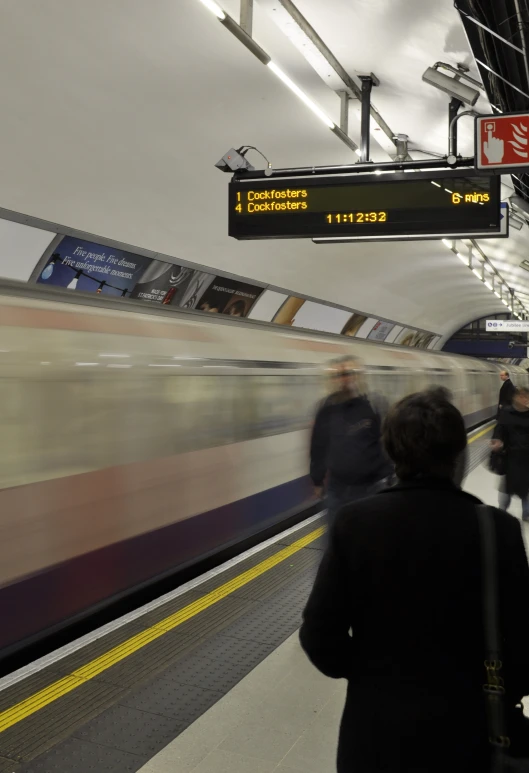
400 205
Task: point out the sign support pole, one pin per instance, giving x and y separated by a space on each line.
453 109
368 81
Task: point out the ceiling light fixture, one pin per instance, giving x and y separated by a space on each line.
214 8
248 41
301 94
462 258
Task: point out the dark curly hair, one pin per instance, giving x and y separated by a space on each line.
424 434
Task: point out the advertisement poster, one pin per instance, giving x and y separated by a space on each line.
381 331
414 338
192 287
80 265
354 324
287 313
162 282
228 296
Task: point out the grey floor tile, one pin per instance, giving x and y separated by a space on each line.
293 705
130 730
223 647
254 740
190 748
82 757
315 751
218 674
283 769
55 722
331 713
8 766
182 702
219 761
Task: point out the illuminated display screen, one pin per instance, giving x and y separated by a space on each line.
397 205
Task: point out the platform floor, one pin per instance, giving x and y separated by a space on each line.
208 679
284 716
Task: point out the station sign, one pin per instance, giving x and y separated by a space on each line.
502 142
507 325
366 206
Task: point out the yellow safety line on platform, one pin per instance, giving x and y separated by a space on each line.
480 434
48 695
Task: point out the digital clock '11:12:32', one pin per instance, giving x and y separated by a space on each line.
357 217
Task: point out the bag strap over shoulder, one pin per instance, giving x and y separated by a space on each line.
493 688
489 566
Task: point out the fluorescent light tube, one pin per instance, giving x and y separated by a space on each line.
214 8
301 94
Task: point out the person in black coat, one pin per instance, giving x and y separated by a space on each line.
512 435
346 454
396 608
507 391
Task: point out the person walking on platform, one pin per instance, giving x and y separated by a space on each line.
511 435
346 454
506 392
396 609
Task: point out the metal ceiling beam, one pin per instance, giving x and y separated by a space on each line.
354 90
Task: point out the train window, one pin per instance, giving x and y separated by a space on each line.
200 411
284 404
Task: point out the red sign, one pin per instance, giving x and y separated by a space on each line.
502 141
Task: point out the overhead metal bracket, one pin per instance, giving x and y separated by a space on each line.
344 110
368 81
278 8
247 16
453 118
453 109
401 141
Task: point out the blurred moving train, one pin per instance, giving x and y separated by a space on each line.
138 440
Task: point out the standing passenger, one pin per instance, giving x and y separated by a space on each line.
396 608
506 392
512 434
346 452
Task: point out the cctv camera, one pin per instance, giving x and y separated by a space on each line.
512 344
450 86
232 161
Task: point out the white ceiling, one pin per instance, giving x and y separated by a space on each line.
115 111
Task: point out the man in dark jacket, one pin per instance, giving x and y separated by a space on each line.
396 608
346 454
506 392
512 436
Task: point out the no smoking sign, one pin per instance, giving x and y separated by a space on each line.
502 141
